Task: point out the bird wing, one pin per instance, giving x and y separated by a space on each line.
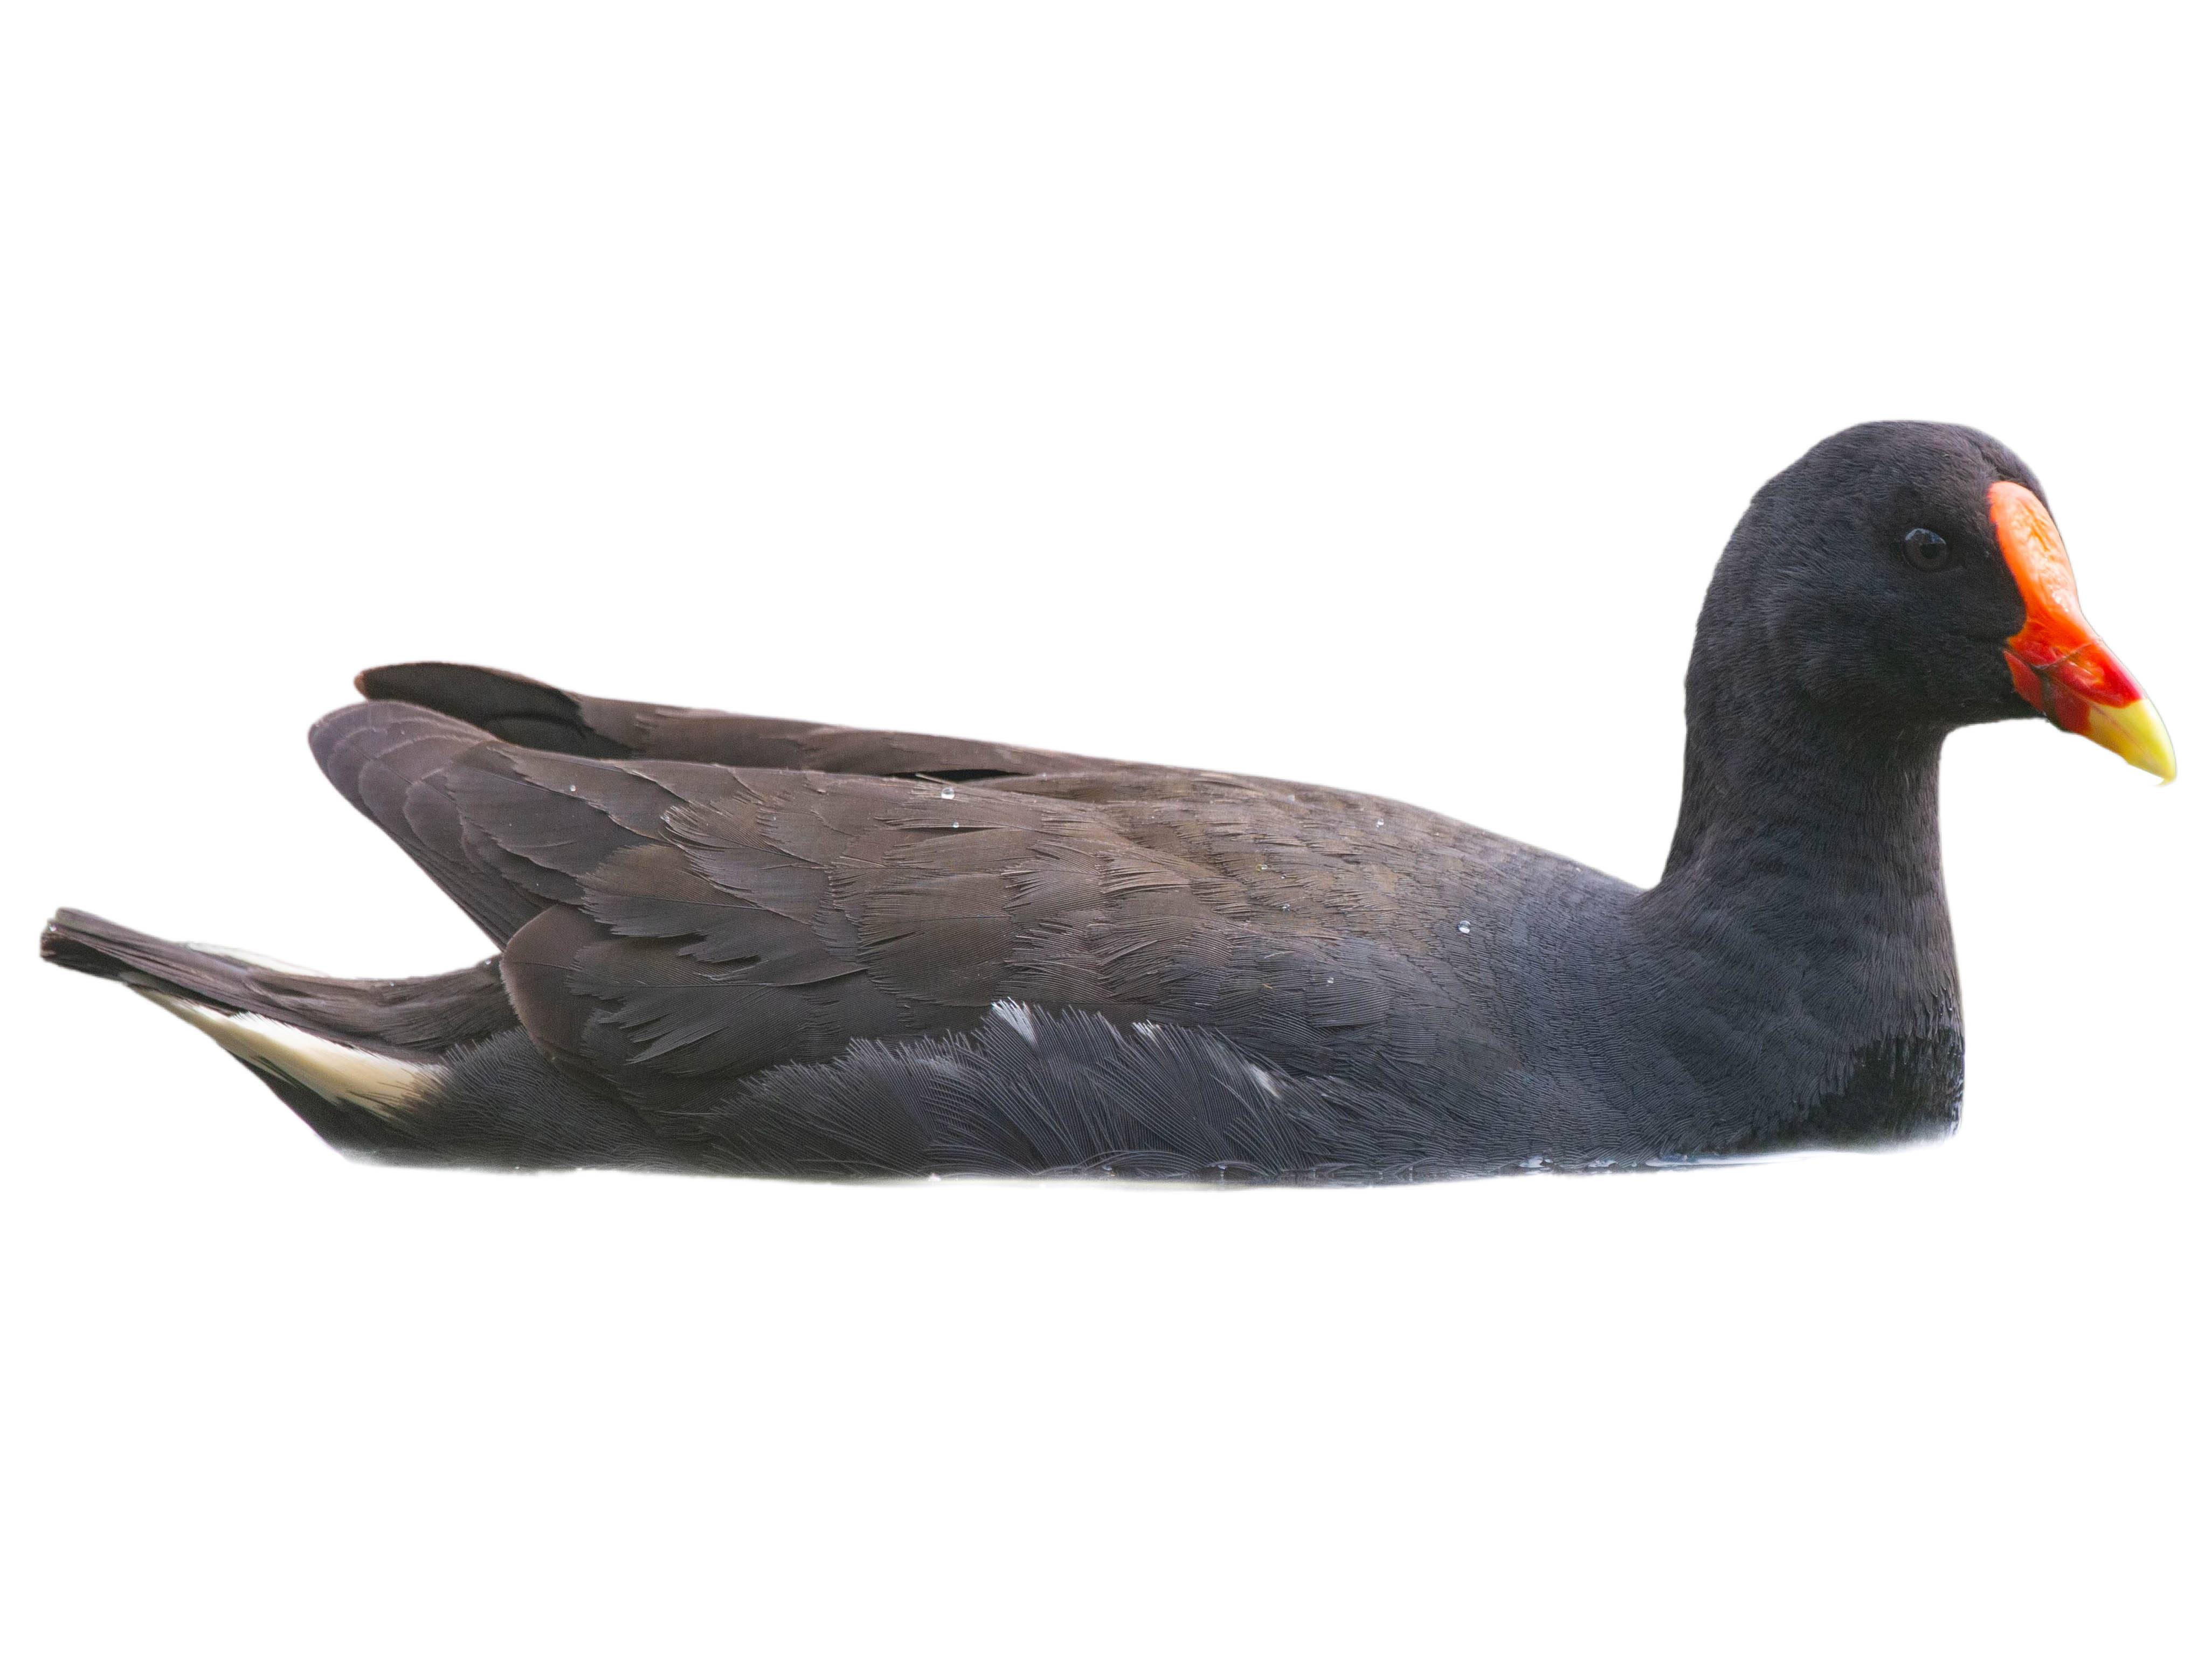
670 922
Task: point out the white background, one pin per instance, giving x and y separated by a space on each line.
1359 394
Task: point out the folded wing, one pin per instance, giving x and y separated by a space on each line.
684 896
665 923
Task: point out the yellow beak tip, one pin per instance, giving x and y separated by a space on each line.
2136 733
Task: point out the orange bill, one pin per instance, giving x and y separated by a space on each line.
2057 662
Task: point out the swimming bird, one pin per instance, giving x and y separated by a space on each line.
758 946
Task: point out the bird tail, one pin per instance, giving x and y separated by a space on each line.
356 1054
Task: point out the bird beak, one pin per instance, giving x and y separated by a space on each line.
2057 662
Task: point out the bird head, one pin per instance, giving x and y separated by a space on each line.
1906 574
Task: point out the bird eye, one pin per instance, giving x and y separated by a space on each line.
1926 550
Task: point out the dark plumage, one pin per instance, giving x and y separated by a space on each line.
758 946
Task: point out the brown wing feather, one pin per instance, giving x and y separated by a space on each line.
669 921
526 712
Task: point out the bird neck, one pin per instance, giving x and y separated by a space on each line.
1780 804
1795 959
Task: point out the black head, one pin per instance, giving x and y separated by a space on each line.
1906 576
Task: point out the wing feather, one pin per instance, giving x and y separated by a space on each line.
528 713
669 921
